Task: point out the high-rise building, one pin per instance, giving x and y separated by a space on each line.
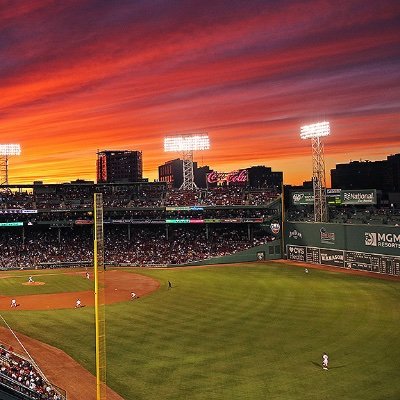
123 166
381 175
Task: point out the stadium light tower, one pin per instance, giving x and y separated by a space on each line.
187 144
315 132
7 150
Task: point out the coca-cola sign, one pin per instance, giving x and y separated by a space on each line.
233 176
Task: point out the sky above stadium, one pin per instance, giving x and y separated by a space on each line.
79 76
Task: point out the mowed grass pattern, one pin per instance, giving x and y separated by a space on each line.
243 332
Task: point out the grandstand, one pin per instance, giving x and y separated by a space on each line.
21 380
145 224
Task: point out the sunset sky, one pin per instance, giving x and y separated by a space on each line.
79 76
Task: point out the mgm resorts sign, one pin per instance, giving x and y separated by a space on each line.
377 239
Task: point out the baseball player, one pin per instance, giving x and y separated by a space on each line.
78 303
87 275
133 296
325 361
30 279
13 303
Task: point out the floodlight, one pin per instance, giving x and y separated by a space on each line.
10 149
187 144
7 150
315 130
193 142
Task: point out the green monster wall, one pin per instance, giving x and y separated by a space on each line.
366 247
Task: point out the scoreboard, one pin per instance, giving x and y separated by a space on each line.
356 260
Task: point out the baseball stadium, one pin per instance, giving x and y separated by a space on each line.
227 292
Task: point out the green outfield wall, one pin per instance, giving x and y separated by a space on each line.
374 248
269 251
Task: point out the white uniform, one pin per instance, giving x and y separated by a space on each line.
13 303
325 361
133 295
30 279
78 304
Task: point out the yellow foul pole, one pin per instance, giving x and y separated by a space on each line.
99 303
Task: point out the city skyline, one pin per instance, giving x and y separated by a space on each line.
96 75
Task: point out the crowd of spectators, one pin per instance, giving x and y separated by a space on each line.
125 244
74 197
349 215
22 376
56 223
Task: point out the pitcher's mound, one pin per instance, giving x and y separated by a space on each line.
34 283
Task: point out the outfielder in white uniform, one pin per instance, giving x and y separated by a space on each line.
325 361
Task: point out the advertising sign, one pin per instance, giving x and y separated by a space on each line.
332 257
366 196
296 253
333 196
302 198
17 211
11 224
229 177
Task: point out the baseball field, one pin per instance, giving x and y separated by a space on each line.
249 331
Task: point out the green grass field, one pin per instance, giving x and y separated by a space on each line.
244 332
55 282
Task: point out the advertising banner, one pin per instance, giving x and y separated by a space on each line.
365 196
239 176
332 257
7 224
315 234
302 198
296 253
333 197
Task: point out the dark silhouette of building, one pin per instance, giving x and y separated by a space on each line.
119 166
381 175
393 175
261 177
200 176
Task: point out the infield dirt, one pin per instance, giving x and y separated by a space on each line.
59 367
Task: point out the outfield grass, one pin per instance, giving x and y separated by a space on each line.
249 332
